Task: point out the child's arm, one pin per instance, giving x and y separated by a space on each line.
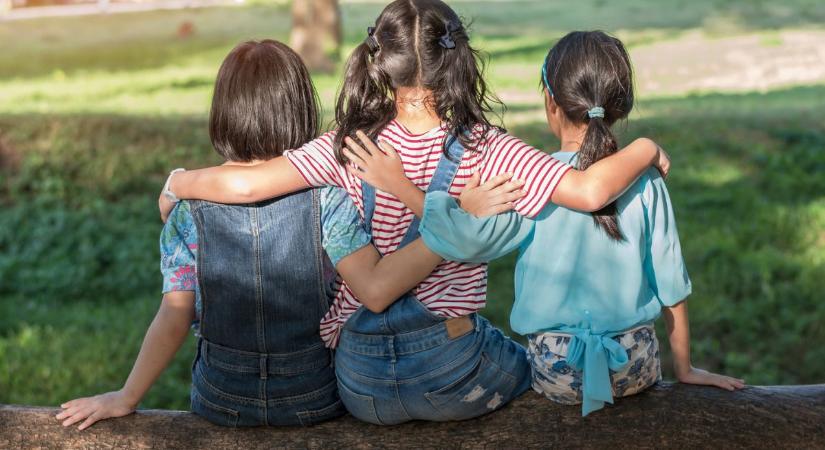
588 190
606 180
234 184
378 282
164 337
678 330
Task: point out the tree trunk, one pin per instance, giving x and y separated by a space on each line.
664 416
316 33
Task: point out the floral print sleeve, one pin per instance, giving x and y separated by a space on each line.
343 229
178 251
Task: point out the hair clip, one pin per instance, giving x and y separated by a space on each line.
371 42
446 40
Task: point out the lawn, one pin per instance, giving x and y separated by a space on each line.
95 111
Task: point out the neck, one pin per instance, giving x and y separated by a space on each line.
254 162
572 136
415 109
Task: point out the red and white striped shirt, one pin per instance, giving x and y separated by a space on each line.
452 289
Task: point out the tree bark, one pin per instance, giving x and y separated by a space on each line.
316 33
665 416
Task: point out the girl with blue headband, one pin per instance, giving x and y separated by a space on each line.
588 285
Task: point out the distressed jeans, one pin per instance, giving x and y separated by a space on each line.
402 365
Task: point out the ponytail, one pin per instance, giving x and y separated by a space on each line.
599 143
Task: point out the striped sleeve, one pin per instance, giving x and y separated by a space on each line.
540 172
316 162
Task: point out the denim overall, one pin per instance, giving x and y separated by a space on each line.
265 284
402 364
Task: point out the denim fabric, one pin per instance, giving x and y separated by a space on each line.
265 284
402 365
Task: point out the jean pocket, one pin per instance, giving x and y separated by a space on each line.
311 417
361 406
483 389
212 412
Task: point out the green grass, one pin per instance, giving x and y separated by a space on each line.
89 127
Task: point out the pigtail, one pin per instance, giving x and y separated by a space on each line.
463 98
364 101
599 143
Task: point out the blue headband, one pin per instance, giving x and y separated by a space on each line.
544 77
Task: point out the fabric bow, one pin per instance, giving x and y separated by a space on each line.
595 355
446 40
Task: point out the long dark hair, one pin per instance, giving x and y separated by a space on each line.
589 76
264 103
415 43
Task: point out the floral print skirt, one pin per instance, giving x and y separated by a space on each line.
558 381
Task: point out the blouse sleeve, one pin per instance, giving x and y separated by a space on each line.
540 171
456 235
178 250
664 264
343 230
316 162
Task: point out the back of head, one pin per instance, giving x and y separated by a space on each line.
589 75
414 43
264 103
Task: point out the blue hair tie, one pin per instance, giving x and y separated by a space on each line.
596 111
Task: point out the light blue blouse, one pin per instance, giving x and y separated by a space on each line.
571 277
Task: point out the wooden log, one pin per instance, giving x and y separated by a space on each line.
665 416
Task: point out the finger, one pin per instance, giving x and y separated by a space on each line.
71 403
473 182
355 171
367 143
509 197
77 417
89 421
68 412
356 148
353 157
510 186
496 181
498 209
388 149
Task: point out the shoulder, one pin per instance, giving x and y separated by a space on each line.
336 204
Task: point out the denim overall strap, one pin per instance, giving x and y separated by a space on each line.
442 179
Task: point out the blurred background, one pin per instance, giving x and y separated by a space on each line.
100 99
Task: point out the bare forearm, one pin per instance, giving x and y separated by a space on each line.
378 282
678 330
163 339
410 195
607 179
238 184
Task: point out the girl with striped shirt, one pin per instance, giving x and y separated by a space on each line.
416 83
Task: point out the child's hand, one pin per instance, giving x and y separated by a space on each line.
381 169
92 409
663 162
699 376
165 206
493 197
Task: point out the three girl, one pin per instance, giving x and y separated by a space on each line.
415 82
588 286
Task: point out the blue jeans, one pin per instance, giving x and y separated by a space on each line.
240 389
403 365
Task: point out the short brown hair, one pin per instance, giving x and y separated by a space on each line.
264 103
